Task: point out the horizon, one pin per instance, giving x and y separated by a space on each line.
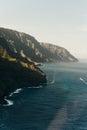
62 23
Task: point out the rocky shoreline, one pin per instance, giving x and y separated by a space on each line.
20 58
13 76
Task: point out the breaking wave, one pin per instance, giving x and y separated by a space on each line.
9 103
81 79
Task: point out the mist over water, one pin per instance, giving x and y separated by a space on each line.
60 105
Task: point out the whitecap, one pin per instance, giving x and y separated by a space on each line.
81 79
36 87
16 91
9 103
11 94
53 81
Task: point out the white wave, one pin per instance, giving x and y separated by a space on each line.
11 94
16 91
36 87
9 103
81 79
53 81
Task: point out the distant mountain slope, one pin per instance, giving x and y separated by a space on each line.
57 53
28 47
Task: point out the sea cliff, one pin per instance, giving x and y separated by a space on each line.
19 55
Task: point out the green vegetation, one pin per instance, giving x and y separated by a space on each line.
19 52
13 75
16 71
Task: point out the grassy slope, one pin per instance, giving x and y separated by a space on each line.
14 75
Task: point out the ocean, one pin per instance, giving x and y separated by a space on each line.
60 105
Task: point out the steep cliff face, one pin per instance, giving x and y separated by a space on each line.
16 71
18 54
28 47
14 75
58 53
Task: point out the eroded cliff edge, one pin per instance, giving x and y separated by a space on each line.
16 72
19 54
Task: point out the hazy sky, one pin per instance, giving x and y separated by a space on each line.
61 22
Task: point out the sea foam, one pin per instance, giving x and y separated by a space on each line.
9 103
16 91
81 79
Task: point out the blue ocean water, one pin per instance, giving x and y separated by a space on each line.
60 105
